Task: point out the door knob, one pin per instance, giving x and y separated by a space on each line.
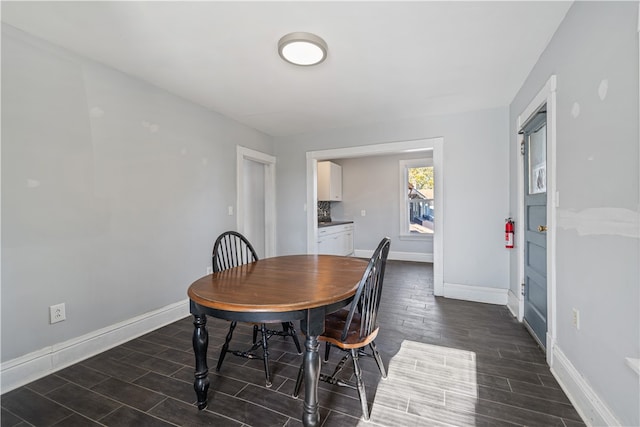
542 228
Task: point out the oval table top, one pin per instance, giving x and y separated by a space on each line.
280 284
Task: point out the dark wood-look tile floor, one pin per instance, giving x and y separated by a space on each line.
449 362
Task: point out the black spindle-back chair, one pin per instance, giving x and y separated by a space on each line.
232 249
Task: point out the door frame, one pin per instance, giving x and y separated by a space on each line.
269 163
547 95
426 144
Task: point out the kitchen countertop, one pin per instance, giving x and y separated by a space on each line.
331 223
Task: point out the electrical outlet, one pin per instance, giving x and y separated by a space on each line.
363 213
57 313
209 270
576 318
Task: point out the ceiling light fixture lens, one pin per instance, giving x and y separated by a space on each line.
302 49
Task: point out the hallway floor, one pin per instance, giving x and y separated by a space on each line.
450 363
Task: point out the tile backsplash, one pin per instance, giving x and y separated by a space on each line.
324 211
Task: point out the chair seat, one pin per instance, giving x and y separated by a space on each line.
334 325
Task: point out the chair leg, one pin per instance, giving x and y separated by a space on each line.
327 349
255 333
378 359
294 335
360 384
263 329
225 346
296 390
333 379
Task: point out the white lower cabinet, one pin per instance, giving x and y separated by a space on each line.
336 240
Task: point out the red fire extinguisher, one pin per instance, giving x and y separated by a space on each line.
508 233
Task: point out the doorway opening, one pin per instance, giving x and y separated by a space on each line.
256 183
431 144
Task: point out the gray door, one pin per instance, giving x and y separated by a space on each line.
535 221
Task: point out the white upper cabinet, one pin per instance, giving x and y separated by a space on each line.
329 182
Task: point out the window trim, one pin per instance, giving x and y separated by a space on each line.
403 166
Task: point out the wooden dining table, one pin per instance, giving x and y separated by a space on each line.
275 290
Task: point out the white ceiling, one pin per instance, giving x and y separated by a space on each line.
387 60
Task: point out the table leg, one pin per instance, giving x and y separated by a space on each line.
313 326
200 344
311 414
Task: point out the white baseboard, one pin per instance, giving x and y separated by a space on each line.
30 367
476 293
398 256
513 303
592 409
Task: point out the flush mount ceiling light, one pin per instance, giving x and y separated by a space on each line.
302 49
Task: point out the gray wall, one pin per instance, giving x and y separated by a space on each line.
597 178
112 193
371 183
475 195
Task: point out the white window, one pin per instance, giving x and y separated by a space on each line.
417 208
